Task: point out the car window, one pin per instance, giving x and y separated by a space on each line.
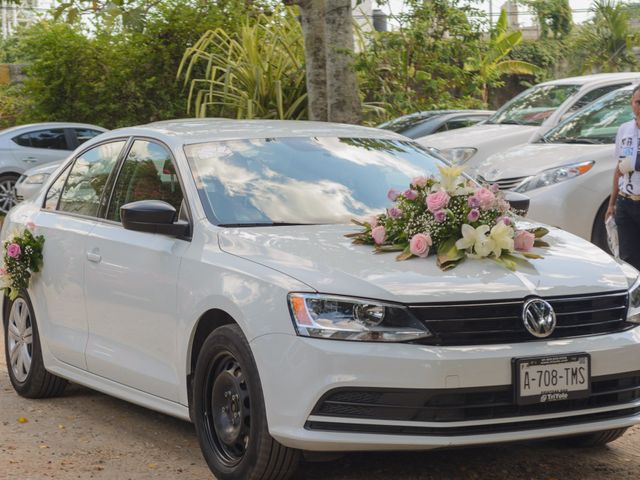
594 94
84 134
53 195
87 179
51 139
148 173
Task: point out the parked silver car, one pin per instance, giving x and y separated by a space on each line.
27 146
31 181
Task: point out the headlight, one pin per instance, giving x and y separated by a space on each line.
37 178
554 175
343 318
459 155
633 315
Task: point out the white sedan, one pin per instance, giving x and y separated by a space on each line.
567 174
200 268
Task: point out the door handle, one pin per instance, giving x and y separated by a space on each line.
94 257
30 159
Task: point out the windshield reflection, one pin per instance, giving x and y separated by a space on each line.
595 124
303 180
533 106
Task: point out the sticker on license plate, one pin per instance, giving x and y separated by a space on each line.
552 379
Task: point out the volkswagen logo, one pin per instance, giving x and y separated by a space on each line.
539 318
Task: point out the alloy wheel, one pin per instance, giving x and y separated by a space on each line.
7 195
20 339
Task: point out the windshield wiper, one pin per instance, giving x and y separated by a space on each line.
262 224
585 140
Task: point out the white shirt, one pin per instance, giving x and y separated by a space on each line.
627 154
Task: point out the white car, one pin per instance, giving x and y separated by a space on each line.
200 268
27 146
31 181
526 117
568 173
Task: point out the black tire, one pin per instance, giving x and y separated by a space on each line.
24 342
229 413
7 191
596 439
599 231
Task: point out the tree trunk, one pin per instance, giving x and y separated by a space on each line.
312 13
342 88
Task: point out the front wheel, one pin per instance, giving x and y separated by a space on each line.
7 192
229 413
596 439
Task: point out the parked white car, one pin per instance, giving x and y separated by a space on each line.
27 146
31 181
200 268
568 173
526 117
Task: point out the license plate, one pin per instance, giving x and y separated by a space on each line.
551 379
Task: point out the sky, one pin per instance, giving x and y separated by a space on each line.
580 7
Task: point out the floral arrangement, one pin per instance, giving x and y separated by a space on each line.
22 257
454 218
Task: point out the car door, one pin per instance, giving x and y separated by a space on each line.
69 214
131 281
42 146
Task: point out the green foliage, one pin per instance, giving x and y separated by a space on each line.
256 72
12 104
419 66
604 43
548 55
493 63
115 77
553 15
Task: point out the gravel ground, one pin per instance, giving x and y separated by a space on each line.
88 435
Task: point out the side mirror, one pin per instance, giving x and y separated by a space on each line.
518 202
152 216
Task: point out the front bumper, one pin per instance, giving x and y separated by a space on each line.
297 372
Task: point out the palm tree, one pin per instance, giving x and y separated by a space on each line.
493 64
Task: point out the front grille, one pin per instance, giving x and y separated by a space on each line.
467 404
484 323
504 183
471 429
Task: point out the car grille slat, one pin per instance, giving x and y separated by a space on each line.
467 404
504 183
480 323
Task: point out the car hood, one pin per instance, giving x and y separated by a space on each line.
532 158
321 257
477 136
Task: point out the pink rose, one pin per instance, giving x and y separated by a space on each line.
13 250
485 197
494 187
392 194
437 201
503 205
523 240
419 244
394 212
440 216
31 226
419 181
473 215
410 194
3 271
373 221
473 202
378 235
505 220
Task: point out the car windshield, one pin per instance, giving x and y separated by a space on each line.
595 124
276 181
401 124
533 106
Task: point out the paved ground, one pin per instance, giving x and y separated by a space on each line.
87 435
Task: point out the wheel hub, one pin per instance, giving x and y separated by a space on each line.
20 340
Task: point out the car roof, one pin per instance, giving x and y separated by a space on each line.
39 126
200 130
594 78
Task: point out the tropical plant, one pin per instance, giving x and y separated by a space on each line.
493 63
553 15
604 43
256 72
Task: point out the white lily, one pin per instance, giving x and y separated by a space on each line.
449 178
484 246
502 236
471 236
